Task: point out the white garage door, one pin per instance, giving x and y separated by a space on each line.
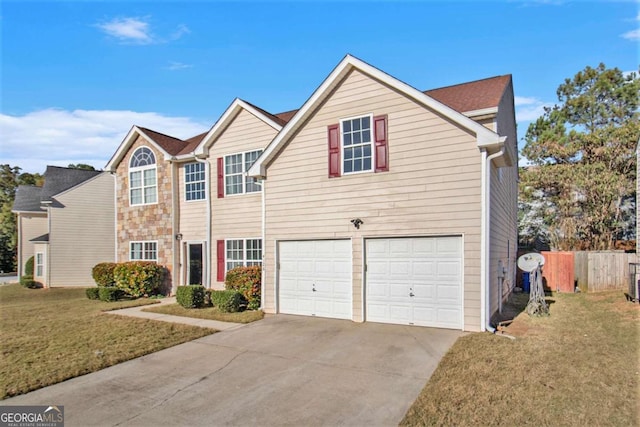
415 281
315 278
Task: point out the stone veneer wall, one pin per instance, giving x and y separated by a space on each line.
146 222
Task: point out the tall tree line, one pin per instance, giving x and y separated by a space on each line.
579 192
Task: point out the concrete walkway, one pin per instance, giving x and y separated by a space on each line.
203 323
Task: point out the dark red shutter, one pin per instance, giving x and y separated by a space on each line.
220 256
220 177
380 140
333 132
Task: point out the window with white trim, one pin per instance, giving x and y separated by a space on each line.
243 253
357 145
143 182
39 264
194 181
143 251
235 167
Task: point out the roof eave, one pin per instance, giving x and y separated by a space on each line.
126 144
485 137
230 113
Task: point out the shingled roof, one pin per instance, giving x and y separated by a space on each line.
28 199
58 179
476 95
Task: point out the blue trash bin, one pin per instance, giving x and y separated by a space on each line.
525 282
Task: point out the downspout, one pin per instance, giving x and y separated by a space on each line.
48 246
207 275
264 241
115 216
485 273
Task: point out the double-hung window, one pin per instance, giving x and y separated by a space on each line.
39 264
194 181
143 251
357 145
143 181
235 168
243 253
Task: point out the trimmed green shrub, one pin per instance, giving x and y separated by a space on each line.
28 282
246 280
138 278
109 293
191 296
93 293
226 301
28 267
103 273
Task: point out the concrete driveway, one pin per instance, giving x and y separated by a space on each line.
283 370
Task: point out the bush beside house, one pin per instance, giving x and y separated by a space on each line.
227 301
135 278
247 281
103 273
191 296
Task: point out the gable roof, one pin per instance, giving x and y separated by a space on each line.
227 117
58 179
27 199
485 137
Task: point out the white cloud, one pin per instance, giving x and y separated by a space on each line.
529 108
180 31
128 30
60 137
138 31
631 35
173 66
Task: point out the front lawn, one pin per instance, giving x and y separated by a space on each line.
209 313
50 335
578 367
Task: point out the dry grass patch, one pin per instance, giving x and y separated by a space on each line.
579 366
209 313
50 335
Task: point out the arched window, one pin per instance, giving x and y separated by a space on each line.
143 182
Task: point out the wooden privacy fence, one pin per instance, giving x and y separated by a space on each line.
558 271
591 271
603 270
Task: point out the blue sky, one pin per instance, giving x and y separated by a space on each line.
77 75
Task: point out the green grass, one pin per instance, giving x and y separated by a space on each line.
50 335
210 313
579 366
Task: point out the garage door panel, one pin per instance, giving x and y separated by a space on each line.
314 278
414 281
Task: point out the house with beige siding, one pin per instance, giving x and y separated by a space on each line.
374 201
67 225
384 203
188 204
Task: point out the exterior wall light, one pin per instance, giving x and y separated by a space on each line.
357 223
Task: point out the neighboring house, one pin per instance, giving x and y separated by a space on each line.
384 203
373 202
188 204
67 225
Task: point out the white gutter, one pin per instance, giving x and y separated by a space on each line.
207 275
264 241
485 272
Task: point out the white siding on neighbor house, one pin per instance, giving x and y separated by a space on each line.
82 231
432 187
240 215
504 208
30 226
